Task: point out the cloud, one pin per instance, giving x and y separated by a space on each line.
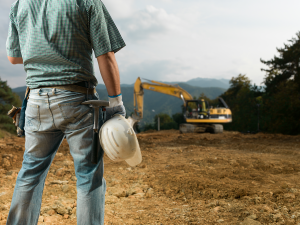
149 23
171 70
119 9
4 17
7 3
162 70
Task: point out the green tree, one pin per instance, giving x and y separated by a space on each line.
7 99
203 96
148 126
284 67
166 122
282 95
241 97
237 84
281 109
211 102
178 118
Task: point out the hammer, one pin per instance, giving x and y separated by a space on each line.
96 104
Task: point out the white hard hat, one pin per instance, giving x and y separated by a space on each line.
119 141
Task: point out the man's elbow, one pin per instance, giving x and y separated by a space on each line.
15 60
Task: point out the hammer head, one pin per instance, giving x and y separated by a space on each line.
96 103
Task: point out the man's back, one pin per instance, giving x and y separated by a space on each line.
56 38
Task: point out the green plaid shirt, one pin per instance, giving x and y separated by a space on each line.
56 39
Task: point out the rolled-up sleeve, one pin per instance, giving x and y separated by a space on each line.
105 36
12 44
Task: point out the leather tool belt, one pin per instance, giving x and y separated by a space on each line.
74 88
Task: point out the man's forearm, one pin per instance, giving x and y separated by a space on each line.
110 73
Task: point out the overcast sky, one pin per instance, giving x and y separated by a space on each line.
176 40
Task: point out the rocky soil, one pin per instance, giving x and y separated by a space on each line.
228 178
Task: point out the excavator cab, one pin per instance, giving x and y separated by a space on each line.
197 109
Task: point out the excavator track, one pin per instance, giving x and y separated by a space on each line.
216 129
201 128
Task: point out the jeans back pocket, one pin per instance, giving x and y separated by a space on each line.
32 117
75 114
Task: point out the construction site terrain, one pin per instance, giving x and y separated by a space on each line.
200 178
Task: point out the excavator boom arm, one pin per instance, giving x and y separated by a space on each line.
168 90
138 99
172 90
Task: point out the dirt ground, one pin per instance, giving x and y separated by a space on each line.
228 178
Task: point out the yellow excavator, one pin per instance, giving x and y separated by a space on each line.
199 116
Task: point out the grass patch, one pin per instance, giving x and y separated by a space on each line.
1 134
4 133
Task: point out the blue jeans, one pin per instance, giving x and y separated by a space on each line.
51 115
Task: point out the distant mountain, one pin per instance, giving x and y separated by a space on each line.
209 82
102 86
19 89
154 102
202 82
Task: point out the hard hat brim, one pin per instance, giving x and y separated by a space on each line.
136 159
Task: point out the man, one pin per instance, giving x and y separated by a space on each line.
54 40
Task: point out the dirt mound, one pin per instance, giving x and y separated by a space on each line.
149 131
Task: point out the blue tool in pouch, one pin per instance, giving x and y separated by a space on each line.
20 129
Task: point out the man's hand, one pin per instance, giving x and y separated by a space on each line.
120 109
15 60
115 107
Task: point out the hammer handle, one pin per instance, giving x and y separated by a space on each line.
94 155
96 119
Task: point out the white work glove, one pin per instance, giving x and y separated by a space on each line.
115 107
